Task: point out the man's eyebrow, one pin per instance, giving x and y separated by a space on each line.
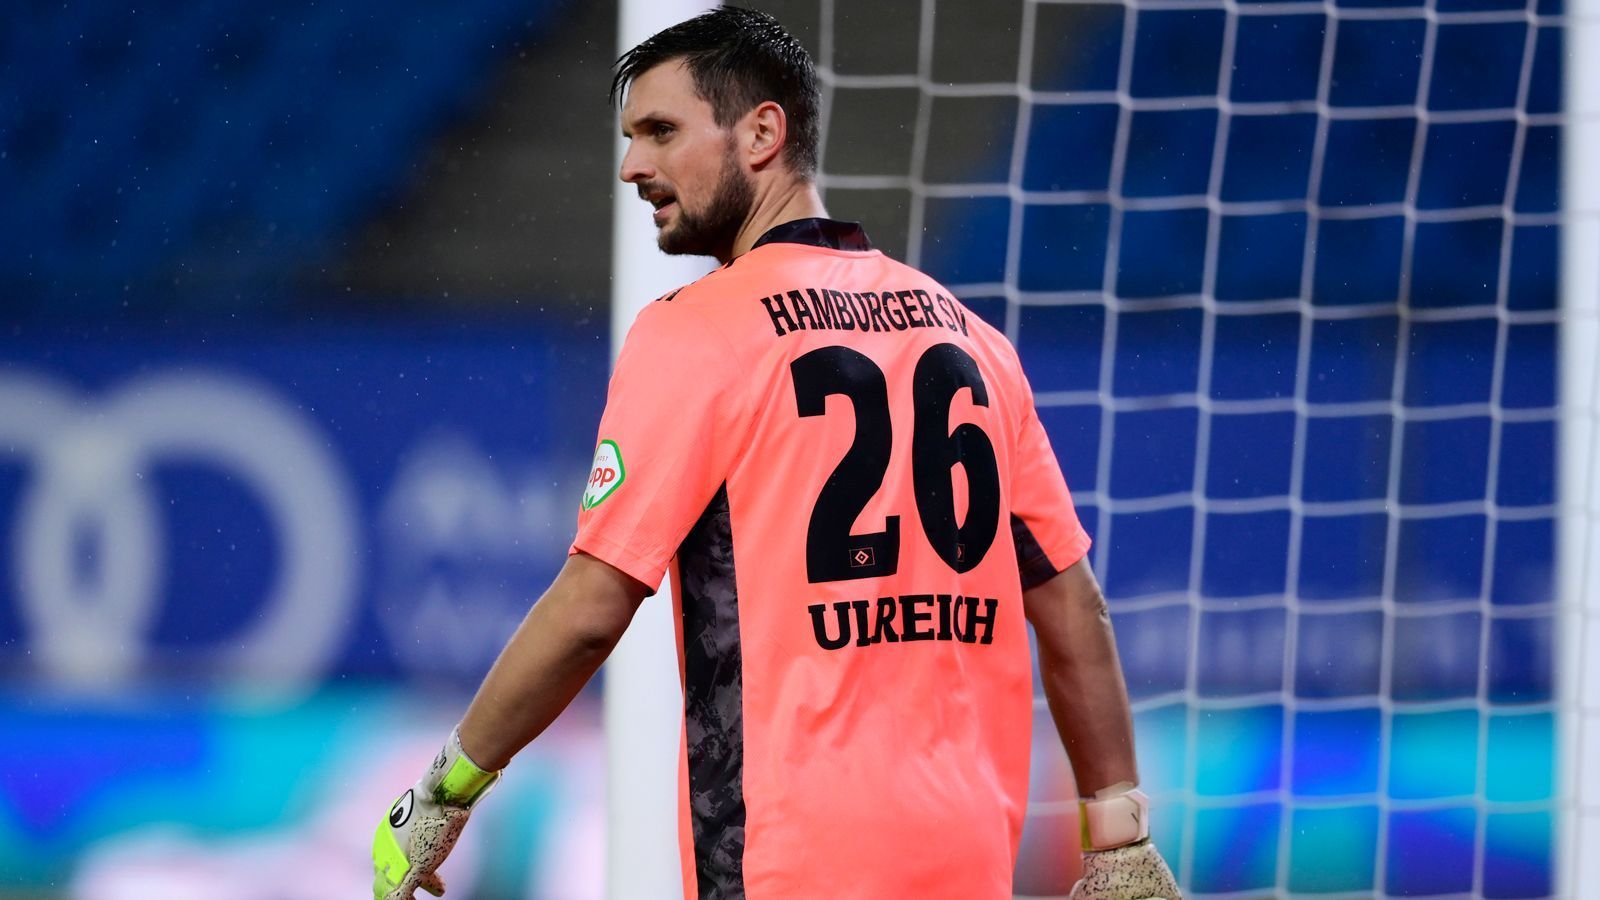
645 121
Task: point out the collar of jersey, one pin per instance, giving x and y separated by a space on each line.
818 232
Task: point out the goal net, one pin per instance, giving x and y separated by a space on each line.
1286 278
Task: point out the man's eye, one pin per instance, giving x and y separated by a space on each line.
662 131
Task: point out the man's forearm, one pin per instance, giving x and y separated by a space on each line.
553 654
1082 678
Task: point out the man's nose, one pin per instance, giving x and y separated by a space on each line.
635 168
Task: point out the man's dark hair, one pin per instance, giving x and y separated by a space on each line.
738 59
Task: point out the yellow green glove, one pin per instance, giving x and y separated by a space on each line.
423 825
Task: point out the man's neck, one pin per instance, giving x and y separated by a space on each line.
774 206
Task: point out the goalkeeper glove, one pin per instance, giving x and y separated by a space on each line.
1119 862
424 823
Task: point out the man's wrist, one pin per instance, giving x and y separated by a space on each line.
454 779
1116 816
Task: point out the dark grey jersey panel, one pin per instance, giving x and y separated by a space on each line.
714 702
1035 567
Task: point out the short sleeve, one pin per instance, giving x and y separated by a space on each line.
672 425
1044 523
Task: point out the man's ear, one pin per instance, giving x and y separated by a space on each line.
767 127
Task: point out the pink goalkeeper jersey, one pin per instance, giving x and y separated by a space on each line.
842 469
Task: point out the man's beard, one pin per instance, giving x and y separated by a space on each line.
712 233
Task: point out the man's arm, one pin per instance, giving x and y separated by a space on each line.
553 654
1089 702
1083 678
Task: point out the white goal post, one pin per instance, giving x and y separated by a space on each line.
1579 478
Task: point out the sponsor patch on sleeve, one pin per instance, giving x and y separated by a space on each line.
605 476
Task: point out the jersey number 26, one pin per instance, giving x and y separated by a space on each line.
833 553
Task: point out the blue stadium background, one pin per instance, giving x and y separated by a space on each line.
1302 380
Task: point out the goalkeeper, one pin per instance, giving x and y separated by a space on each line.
842 471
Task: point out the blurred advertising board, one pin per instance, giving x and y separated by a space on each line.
247 577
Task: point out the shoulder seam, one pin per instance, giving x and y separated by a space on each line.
708 323
672 295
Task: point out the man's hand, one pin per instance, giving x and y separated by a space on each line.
1134 872
1119 862
422 826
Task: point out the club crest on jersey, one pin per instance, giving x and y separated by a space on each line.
605 476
